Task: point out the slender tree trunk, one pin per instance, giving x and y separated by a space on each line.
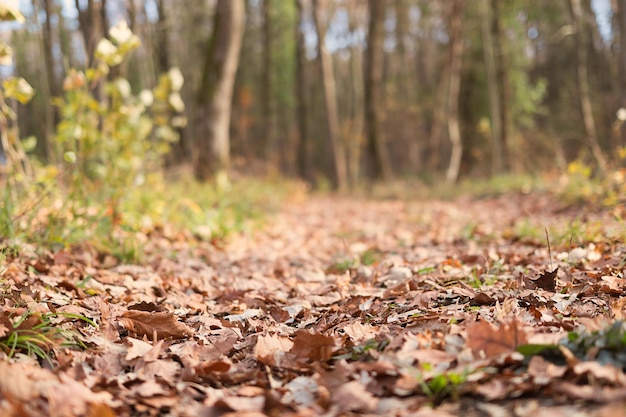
89 20
104 18
405 84
330 99
268 110
304 147
487 18
456 66
502 80
438 121
583 86
377 148
162 48
132 15
215 94
54 86
355 137
406 67
621 65
91 26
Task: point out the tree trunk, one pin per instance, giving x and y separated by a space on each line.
406 67
488 23
215 95
502 79
377 148
330 99
268 110
456 66
583 86
54 85
438 120
162 48
89 20
304 147
621 65
355 137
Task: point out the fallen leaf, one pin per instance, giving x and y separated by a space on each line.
589 393
270 349
490 340
248 314
313 347
484 299
353 396
545 281
242 404
164 325
301 390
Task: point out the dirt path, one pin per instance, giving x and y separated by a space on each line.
336 307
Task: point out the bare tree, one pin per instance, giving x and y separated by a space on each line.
583 85
620 15
215 94
92 26
267 85
54 84
454 89
304 147
490 33
355 136
330 98
377 149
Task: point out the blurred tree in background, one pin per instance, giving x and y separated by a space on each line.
335 91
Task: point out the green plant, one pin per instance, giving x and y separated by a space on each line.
441 386
363 352
107 183
108 137
15 169
370 256
38 334
342 266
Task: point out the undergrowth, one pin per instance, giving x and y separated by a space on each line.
107 187
37 334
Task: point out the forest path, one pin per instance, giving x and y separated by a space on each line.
338 307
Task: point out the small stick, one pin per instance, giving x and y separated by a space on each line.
549 248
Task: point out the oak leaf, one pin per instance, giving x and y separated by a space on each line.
493 341
164 325
313 346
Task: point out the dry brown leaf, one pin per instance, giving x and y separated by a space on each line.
101 410
352 396
242 404
544 371
485 337
164 325
606 373
545 281
313 347
137 349
590 393
270 349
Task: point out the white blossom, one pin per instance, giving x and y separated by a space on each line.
105 48
146 98
123 86
121 33
176 78
176 102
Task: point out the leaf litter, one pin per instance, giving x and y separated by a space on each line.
337 307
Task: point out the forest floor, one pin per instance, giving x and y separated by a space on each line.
335 307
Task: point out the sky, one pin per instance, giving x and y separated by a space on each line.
602 9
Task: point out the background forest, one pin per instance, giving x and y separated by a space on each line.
398 89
